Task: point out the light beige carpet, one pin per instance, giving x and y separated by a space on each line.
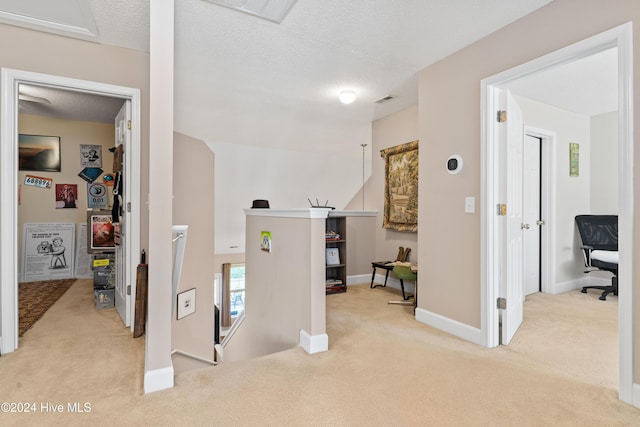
383 369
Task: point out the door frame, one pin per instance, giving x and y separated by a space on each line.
620 37
11 78
548 194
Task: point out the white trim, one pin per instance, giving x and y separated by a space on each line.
622 37
158 379
313 343
358 279
289 213
8 186
354 213
453 327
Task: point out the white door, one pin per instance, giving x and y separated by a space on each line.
511 287
531 213
122 292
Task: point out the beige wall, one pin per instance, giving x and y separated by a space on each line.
361 244
449 102
284 288
604 163
390 131
37 204
193 201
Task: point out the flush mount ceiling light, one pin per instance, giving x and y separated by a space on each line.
347 96
271 10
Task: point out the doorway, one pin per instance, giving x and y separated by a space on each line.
492 225
11 80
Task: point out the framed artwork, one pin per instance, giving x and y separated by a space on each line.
401 187
100 232
574 159
39 153
186 303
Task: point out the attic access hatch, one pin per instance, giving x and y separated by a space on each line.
70 18
271 10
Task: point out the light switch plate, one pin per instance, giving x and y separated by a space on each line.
186 303
470 205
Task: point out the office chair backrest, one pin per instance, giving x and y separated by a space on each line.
599 231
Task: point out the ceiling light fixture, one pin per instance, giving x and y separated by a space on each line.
347 96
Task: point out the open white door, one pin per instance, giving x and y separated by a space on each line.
122 291
511 289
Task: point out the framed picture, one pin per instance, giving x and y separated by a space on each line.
574 159
401 187
39 153
333 256
100 232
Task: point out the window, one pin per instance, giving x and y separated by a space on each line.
236 289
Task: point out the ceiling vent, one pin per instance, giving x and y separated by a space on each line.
271 10
384 99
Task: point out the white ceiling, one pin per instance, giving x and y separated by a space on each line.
242 79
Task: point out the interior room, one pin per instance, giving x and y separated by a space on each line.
450 265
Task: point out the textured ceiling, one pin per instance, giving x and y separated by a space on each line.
242 79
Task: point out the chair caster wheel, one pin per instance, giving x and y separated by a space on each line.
602 298
584 291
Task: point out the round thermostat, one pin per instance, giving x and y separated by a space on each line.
454 164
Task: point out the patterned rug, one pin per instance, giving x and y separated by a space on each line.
35 298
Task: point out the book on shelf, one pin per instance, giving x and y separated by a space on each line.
333 256
331 235
333 282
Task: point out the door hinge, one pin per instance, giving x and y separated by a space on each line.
501 209
128 206
129 124
502 303
128 289
502 116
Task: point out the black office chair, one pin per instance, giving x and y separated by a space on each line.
599 234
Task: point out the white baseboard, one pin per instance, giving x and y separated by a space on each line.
313 343
158 379
450 326
358 279
562 287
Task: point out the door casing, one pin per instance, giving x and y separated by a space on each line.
11 78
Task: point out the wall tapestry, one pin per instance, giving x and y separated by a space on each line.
401 187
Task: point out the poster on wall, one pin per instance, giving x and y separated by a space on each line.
66 196
100 232
97 195
48 251
83 260
91 155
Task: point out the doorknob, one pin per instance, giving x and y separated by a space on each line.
525 226
540 222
